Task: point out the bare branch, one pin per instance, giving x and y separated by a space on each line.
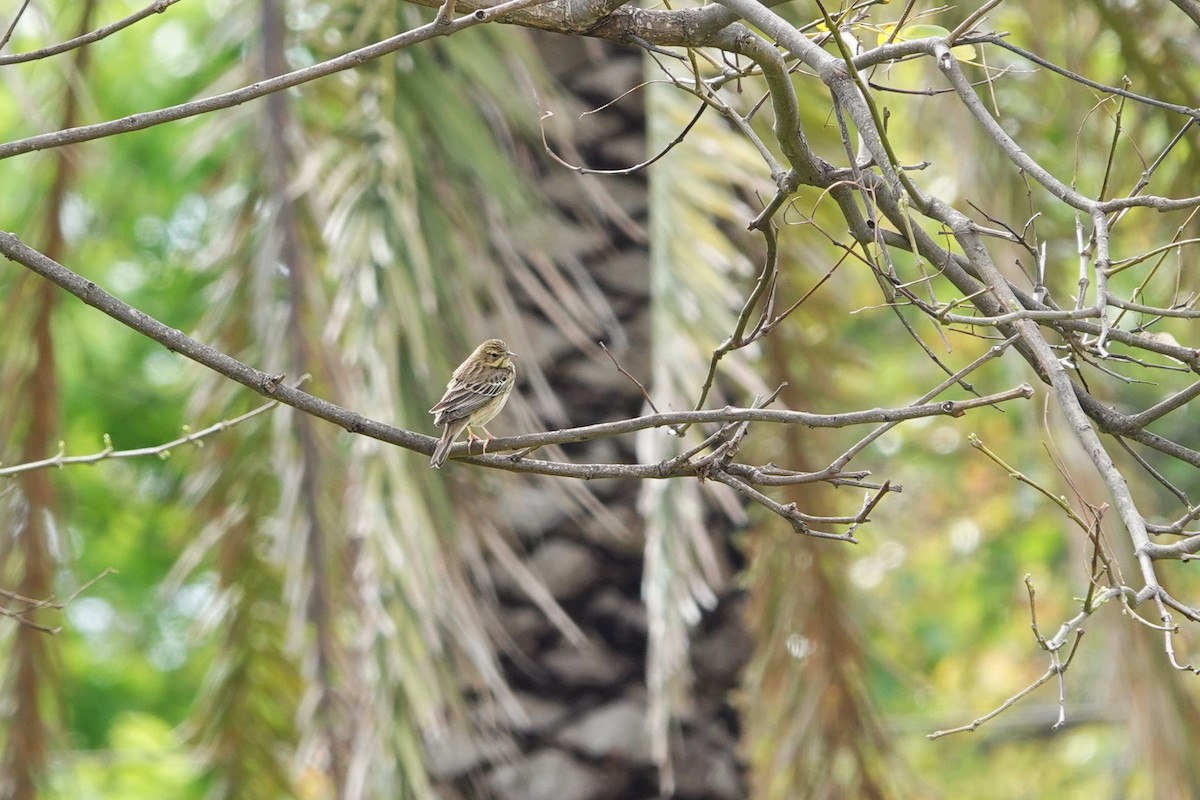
668 147
974 725
137 122
625 372
1000 41
1166 406
1183 312
1058 666
12 26
971 20
788 511
30 605
110 453
273 387
157 7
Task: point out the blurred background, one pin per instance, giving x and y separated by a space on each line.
298 612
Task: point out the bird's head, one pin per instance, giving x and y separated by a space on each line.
495 353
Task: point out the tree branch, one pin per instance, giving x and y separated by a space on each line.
157 7
273 387
49 602
137 122
110 453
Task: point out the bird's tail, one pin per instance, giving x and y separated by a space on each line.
449 434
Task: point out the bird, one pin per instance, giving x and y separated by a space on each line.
477 391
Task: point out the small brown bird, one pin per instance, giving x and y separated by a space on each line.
475 394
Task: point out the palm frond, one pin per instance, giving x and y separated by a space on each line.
697 275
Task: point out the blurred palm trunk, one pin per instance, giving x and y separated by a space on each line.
587 704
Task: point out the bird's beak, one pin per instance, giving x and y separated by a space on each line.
510 354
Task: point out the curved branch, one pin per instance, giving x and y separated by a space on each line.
705 468
272 386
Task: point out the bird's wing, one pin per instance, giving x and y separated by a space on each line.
464 398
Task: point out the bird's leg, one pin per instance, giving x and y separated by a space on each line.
472 438
488 440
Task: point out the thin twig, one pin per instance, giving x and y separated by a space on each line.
49 602
626 373
737 339
1000 41
1057 667
972 18
788 511
679 137
157 7
355 58
12 26
161 450
974 725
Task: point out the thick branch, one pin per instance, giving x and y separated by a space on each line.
1064 390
